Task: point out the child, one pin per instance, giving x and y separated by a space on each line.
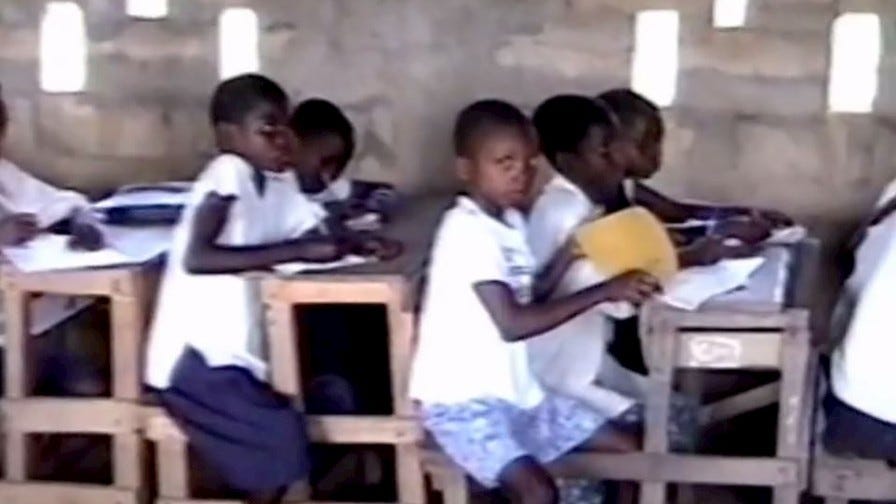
578 139
29 205
326 145
471 372
860 406
205 351
641 125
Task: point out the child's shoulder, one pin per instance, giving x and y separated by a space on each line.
225 171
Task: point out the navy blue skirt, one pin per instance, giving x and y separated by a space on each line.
239 426
850 432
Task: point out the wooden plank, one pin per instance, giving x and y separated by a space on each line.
158 426
402 330
661 336
729 350
678 468
283 349
64 493
331 289
173 468
409 474
728 319
74 416
864 480
92 282
127 458
343 429
739 404
17 356
127 327
16 455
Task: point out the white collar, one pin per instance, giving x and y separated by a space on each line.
511 220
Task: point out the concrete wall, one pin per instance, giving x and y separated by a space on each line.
749 125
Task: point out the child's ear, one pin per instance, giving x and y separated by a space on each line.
225 134
464 168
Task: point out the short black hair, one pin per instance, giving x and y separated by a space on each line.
563 122
483 117
236 97
316 116
630 108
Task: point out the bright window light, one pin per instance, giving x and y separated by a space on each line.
147 9
237 42
63 48
855 58
655 59
730 13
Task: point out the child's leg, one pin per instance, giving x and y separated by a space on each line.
528 482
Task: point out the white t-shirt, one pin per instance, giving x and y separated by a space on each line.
461 355
220 315
569 358
862 370
20 192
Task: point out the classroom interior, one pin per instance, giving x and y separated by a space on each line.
784 104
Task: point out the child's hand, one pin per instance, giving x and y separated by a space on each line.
745 230
634 287
86 236
17 229
712 249
383 249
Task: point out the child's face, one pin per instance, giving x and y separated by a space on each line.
648 155
321 159
593 168
263 138
501 169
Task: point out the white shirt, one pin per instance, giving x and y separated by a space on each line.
338 190
570 358
220 316
461 355
23 193
862 371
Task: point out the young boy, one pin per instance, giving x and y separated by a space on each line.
29 205
471 373
205 350
860 407
642 129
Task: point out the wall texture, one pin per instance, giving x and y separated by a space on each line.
749 125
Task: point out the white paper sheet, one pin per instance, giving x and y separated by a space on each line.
294 268
690 288
144 197
125 245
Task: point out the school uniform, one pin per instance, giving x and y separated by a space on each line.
21 192
206 351
861 409
480 399
574 359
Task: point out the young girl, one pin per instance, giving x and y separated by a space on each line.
29 205
471 373
205 351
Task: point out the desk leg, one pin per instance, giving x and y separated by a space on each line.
411 482
283 348
401 344
660 343
794 368
16 446
127 334
18 358
127 459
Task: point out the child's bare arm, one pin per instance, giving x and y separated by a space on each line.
518 321
670 210
205 255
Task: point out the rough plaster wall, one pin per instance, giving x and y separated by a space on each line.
749 124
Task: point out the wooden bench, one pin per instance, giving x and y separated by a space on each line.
131 291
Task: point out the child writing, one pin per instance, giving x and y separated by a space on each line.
642 129
205 347
471 374
29 205
326 145
577 137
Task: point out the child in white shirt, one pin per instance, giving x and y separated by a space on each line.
471 372
206 353
29 205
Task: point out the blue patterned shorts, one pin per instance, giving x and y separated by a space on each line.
483 436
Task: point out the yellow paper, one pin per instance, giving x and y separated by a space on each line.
632 239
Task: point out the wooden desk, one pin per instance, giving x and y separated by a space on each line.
394 284
131 291
744 337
